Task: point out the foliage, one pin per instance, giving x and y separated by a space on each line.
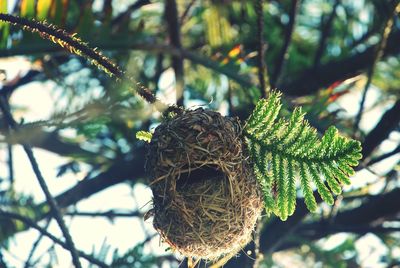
134 257
144 136
285 149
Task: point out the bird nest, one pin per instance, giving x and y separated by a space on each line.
206 198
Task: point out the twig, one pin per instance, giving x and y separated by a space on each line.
310 80
384 156
171 16
327 229
121 19
378 55
283 54
186 12
49 251
258 254
109 214
50 200
76 46
262 68
326 28
9 88
35 245
10 163
388 122
2 263
32 224
126 43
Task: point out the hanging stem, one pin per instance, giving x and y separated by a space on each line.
76 46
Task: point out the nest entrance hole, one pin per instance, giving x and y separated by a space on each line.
199 175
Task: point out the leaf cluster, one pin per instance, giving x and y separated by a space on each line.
283 150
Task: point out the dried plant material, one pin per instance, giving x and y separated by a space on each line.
206 197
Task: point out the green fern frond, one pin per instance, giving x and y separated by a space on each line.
282 150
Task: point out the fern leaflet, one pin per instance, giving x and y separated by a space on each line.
282 150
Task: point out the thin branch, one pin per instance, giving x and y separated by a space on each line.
50 200
384 156
35 245
106 11
76 46
32 224
321 230
283 53
126 43
304 83
50 251
108 214
311 80
171 16
121 20
258 254
2 263
10 161
186 12
326 27
388 122
121 171
9 88
262 67
357 220
378 55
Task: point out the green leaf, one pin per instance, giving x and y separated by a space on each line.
291 187
93 127
144 136
28 8
56 11
43 8
297 151
309 198
4 27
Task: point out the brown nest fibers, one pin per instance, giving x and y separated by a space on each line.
206 198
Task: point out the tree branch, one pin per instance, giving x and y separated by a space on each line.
388 122
172 18
122 170
108 214
312 80
34 225
358 220
326 28
262 68
122 19
377 55
283 53
50 200
30 76
35 245
75 46
384 156
121 43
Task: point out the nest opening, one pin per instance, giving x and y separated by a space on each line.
197 176
205 195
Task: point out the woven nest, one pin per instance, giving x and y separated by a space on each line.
206 197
